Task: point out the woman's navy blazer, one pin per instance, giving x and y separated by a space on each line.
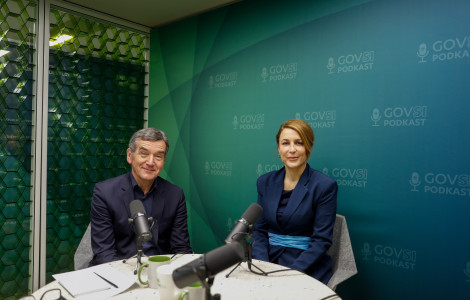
311 211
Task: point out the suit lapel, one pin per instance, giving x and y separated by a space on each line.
298 194
274 196
128 193
158 202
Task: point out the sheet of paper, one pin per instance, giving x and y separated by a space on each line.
85 284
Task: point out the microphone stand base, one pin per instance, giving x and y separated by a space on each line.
139 255
248 249
261 272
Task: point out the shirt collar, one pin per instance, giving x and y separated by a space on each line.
134 183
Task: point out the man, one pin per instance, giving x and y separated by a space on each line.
112 237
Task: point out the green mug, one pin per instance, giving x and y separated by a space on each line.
153 263
194 291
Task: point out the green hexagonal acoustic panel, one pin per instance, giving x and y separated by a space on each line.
17 39
96 102
97 83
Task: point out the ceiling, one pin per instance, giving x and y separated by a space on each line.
152 13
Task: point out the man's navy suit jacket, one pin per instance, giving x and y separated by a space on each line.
311 211
112 237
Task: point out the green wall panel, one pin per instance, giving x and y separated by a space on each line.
96 102
17 38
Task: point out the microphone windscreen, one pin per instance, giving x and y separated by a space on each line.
135 207
252 213
223 257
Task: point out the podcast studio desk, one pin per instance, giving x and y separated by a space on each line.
241 284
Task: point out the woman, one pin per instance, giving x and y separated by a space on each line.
299 208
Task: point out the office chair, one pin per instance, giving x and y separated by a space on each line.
84 254
344 265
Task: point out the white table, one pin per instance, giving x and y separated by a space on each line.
241 284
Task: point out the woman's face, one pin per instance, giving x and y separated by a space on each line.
291 149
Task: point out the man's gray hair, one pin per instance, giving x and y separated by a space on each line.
148 134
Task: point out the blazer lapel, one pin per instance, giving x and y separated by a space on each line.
298 195
128 193
274 196
158 203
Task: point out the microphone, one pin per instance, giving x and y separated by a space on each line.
208 265
140 221
244 226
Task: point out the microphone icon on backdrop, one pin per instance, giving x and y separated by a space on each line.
264 74
211 81
259 170
331 64
414 181
422 52
375 116
366 251
467 271
235 122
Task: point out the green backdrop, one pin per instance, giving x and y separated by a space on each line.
385 86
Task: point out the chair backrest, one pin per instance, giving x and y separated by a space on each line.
344 265
84 254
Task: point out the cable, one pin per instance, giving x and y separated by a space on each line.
282 270
330 297
275 271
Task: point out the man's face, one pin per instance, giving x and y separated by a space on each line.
147 161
